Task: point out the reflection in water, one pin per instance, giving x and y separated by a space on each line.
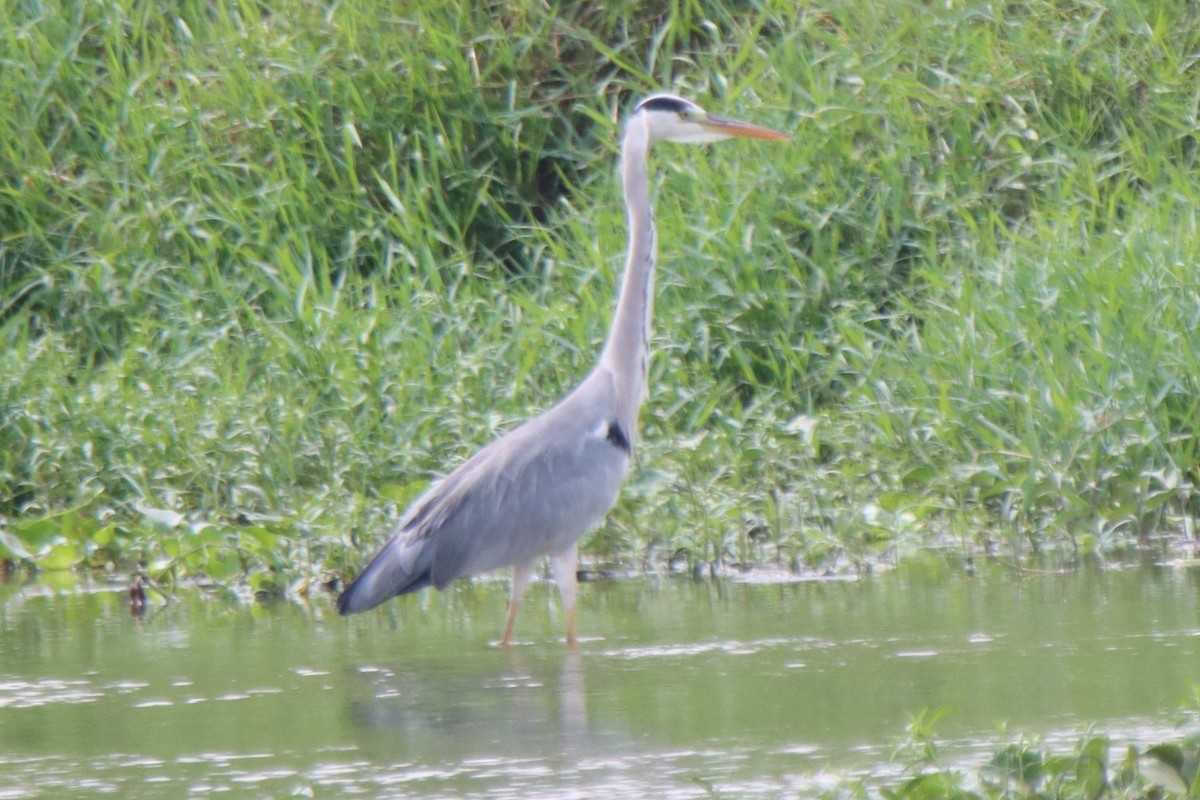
501 703
510 715
760 690
573 704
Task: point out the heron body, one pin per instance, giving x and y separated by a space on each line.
536 490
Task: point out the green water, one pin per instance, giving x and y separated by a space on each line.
757 688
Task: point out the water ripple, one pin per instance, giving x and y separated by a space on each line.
16 693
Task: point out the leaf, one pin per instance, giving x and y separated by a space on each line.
104 536
161 516
36 532
941 785
261 536
919 477
265 585
1169 754
221 565
1162 765
62 556
12 545
1016 762
1092 766
76 526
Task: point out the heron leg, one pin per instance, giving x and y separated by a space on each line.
522 574
565 565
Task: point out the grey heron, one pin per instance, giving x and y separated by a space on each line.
540 487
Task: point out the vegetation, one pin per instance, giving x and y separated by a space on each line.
268 269
1095 767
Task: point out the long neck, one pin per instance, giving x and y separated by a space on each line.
626 354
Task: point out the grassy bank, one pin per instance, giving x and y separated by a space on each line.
267 271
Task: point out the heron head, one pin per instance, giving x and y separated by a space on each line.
671 118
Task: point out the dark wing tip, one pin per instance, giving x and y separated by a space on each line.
358 597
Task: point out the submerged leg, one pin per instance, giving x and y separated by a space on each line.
522 574
565 564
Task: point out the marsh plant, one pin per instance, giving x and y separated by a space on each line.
267 270
1095 766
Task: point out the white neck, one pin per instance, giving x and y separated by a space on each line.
626 354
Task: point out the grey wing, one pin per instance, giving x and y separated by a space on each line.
535 492
530 493
404 563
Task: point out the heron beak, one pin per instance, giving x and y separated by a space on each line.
732 127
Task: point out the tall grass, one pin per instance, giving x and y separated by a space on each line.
265 271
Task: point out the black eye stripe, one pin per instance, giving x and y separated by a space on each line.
664 103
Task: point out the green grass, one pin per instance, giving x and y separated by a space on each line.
274 268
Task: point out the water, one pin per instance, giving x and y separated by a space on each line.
755 689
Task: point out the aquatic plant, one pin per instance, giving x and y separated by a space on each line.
1094 767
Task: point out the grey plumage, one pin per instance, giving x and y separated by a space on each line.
540 487
532 492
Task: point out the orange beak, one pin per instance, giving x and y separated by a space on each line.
733 127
